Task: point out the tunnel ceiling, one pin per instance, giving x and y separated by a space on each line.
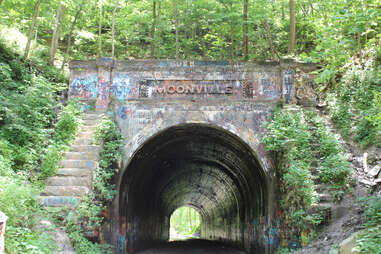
201 166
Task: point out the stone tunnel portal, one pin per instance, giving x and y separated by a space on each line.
197 165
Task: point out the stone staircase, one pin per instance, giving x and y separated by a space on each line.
75 177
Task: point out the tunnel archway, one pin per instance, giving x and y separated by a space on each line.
196 165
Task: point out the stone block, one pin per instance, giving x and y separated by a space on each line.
88 164
65 191
81 155
375 171
83 141
346 246
85 148
74 172
69 181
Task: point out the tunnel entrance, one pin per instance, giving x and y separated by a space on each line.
200 166
185 224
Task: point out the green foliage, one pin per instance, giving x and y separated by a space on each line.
27 102
108 135
369 240
87 213
301 139
28 105
354 105
333 168
18 201
64 132
288 135
185 221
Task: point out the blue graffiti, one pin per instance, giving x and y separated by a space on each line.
121 87
84 87
125 112
274 237
56 201
287 79
122 242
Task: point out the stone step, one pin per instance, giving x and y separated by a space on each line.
65 191
85 134
83 141
69 181
90 122
92 116
87 128
59 201
81 155
85 148
324 197
88 164
321 187
75 172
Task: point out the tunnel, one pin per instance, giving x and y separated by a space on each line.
202 166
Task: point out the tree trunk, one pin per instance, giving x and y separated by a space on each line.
231 34
273 50
158 30
291 46
56 32
99 53
113 29
153 29
245 30
176 28
35 15
67 53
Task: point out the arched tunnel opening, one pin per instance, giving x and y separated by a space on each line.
200 166
185 224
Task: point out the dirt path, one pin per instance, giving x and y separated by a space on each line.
191 247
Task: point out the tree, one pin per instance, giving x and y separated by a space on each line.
67 53
113 29
158 29
56 31
176 27
153 28
291 46
99 52
246 29
35 15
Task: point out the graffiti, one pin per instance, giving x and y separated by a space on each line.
91 231
123 241
84 87
122 87
265 84
288 82
278 234
125 113
103 97
59 201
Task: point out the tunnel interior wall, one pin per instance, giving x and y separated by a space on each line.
219 109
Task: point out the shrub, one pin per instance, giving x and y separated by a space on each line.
369 241
64 132
18 200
